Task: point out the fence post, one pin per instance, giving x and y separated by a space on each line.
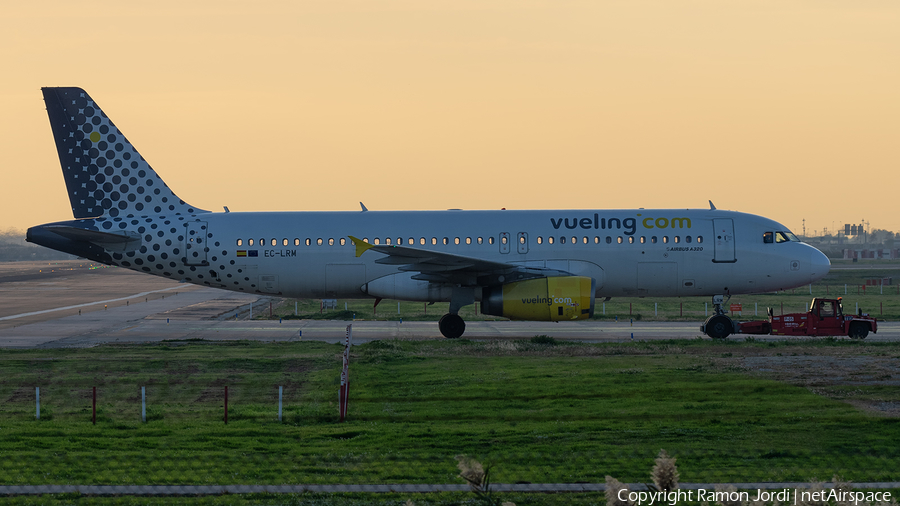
226 405
94 408
681 309
629 309
279 401
144 404
37 403
706 309
604 306
295 307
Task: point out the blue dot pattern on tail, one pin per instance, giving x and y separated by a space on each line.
104 173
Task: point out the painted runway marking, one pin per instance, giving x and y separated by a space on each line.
142 294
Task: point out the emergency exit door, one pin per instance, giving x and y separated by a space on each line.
522 243
724 240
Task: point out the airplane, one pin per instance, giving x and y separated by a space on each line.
541 265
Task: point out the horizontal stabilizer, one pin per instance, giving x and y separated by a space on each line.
123 241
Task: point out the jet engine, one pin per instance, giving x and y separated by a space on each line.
544 299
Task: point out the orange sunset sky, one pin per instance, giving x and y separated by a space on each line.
788 109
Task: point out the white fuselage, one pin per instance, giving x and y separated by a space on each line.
661 253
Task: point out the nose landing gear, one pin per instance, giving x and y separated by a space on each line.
719 325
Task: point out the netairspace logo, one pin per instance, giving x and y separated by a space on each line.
784 496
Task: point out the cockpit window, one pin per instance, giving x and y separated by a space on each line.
780 237
792 237
768 237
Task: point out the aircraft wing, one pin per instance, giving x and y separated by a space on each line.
439 267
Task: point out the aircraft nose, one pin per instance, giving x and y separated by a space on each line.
819 265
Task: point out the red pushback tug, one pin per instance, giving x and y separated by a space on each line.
825 318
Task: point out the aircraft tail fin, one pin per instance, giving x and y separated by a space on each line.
104 173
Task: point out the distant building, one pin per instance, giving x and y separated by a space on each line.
875 254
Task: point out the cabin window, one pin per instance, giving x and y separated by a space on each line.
480 240
446 241
596 239
319 241
376 241
619 240
422 241
540 240
240 242
574 240
550 240
687 239
433 241
262 242
630 239
608 240
522 239
412 241
399 241
677 239
562 240
387 240
284 242
653 239
768 237
504 240
665 239
643 239
331 241
586 239
491 240
343 241
699 238
296 242
250 242
308 241
456 240
468 240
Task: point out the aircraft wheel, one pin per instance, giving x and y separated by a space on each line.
858 330
719 327
452 326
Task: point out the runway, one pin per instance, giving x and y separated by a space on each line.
41 310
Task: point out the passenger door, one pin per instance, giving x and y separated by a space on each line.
723 234
195 247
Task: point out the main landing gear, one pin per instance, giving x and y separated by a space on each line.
451 324
719 325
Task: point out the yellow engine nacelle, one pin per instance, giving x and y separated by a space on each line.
544 299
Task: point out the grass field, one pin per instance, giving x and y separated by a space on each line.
561 412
